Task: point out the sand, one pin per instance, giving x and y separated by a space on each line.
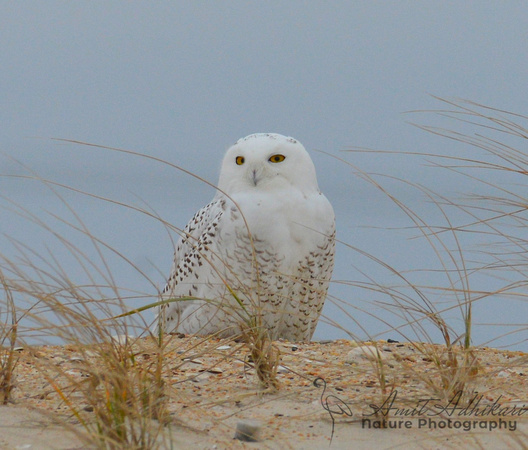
211 388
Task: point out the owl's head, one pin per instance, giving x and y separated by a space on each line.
267 161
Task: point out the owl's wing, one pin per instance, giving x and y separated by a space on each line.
309 290
191 250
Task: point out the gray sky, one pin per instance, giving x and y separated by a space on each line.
182 81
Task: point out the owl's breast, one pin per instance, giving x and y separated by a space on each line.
290 225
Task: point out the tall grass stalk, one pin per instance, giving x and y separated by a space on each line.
499 217
118 398
8 339
497 207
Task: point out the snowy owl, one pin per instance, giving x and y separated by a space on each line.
264 247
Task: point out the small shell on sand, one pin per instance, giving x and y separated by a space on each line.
247 431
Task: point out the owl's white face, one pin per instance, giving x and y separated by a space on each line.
267 161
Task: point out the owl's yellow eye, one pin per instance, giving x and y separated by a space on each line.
240 160
277 158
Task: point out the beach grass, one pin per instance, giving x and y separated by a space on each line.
120 397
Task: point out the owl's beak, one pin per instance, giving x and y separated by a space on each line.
254 177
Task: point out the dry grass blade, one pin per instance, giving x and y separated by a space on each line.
9 336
